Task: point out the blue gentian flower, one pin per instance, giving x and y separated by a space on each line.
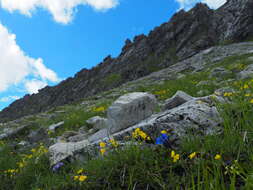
162 139
57 166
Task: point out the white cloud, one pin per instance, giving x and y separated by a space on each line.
62 10
214 3
34 85
16 66
9 98
187 4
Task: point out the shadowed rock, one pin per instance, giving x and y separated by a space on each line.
179 98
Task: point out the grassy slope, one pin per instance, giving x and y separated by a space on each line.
148 168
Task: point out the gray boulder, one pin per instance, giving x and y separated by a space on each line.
23 143
250 59
197 116
103 133
222 91
246 73
61 151
10 132
55 126
77 138
179 98
130 109
98 122
68 134
3 136
38 135
219 72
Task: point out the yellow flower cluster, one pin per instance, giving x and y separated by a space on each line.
192 155
11 172
217 157
102 146
228 94
35 153
160 92
139 133
174 156
99 109
114 143
80 177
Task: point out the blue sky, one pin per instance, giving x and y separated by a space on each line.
42 44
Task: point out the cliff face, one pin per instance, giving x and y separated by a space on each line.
183 36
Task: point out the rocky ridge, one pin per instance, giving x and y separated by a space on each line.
186 34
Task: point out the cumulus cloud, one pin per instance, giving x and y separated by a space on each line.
34 85
9 98
215 3
187 4
62 10
16 66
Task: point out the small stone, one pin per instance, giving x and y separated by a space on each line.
55 126
37 135
77 138
103 133
179 98
97 122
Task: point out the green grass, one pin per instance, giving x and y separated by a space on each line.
112 79
138 167
150 167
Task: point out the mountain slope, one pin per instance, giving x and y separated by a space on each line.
183 36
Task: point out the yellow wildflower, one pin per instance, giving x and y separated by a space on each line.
247 95
102 144
29 156
33 150
143 135
217 157
176 158
172 154
21 164
82 178
79 171
246 86
164 132
192 155
102 150
251 101
99 109
227 94
76 177
113 142
139 133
